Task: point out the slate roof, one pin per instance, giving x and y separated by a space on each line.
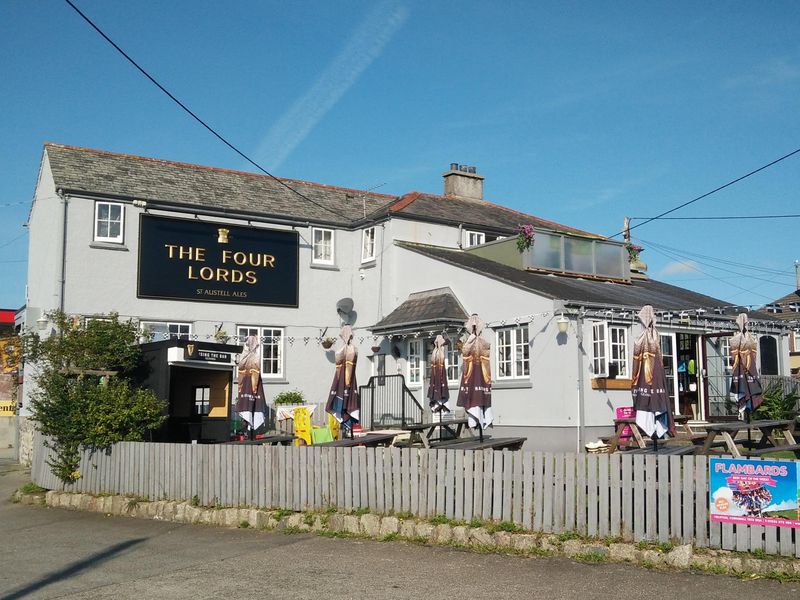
438 309
82 170
661 296
787 313
93 171
468 211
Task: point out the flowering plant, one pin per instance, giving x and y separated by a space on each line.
524 237
633 251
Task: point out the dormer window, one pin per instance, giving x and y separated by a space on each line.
474 238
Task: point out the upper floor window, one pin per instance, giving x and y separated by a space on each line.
368 244
609 350
158 331
271 349
513 353
415 362
108 222
322 246
474 238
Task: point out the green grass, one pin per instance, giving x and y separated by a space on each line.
281 513
504 526
308 519
362 510
568 535
195 500
390 537
31 488
244 524
591 557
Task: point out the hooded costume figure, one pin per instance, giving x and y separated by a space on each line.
649 388
744 380
438 393
250 402
475 391
343 401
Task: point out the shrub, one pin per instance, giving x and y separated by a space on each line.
777 404
289 397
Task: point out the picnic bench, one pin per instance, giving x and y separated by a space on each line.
509 443
370 440
268 440
664 450
637 440
422 433
724 435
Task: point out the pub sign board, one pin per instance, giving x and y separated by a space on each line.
185 259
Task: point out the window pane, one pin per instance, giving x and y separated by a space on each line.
523 350
578 255
115 212
102 229
608 259
547 251
102 211
504 353
114 229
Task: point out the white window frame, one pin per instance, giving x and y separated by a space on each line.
267 336
167 330
796 338
320 259
368 242
473 238
599 349
607 349
516 364
415 363
116 239
203 402
620 350
452 364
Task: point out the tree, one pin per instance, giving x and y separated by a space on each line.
84 396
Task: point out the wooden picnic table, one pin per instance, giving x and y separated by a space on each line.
422 433
665 450
637 440
769 442
509 443
370 440
268 440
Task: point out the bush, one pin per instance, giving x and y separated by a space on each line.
777 404
289 397
84 398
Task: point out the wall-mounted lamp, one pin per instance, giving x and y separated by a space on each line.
41 323
563 323
140 203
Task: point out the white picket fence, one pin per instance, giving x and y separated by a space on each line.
633 497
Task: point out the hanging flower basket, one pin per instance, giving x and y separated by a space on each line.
633 252
524 237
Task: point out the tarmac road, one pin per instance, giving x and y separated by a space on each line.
54 553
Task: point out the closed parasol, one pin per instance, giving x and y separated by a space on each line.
475 391
438 393
343 400
745 384
649 387
250 402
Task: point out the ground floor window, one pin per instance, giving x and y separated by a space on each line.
272 339
415 362
513 353
202 400
157 331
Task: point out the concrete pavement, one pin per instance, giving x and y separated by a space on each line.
52 553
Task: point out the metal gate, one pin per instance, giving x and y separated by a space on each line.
387 402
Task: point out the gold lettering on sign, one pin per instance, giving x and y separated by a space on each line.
185 252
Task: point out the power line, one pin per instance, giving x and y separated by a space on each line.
707 194
197 118
727 218
694 267
8 204
11 241
687 254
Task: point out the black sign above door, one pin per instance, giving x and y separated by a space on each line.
183 259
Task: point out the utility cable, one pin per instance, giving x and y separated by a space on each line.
694 267
707 194
687 254
723 218
197 118
11 241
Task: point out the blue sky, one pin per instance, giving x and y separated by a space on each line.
582 113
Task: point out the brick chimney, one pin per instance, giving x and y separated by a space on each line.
463 181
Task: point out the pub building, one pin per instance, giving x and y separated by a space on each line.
196 254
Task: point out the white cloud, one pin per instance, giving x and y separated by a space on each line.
364 46
677 267
726 493
785 505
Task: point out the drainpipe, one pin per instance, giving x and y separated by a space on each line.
63 275
581 392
